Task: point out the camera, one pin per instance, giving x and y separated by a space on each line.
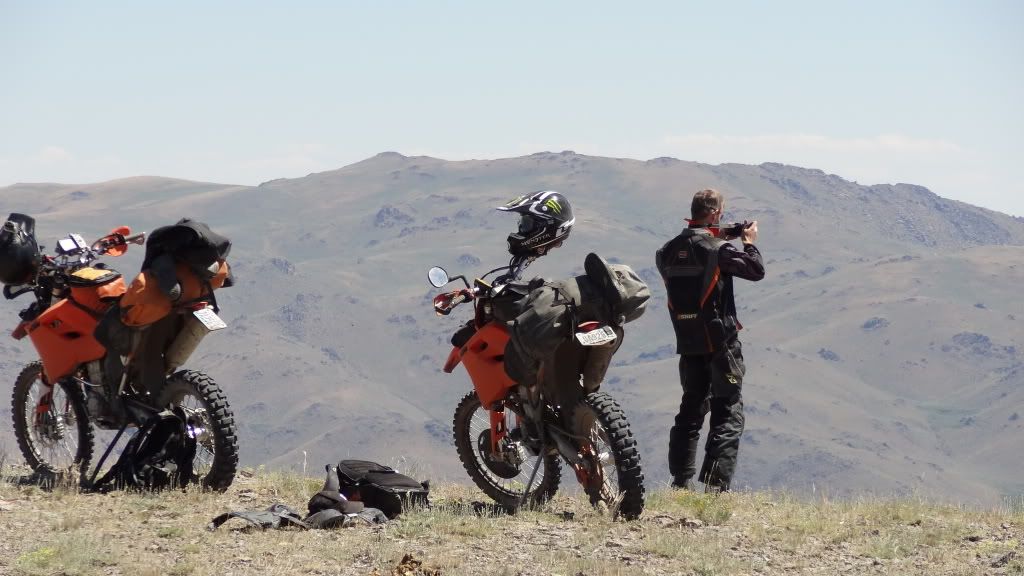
734 230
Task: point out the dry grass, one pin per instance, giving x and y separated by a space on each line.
65 532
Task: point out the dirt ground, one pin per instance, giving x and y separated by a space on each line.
63 532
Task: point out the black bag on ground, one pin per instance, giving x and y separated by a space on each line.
331 498
158 456
380 487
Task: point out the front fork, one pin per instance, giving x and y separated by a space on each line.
45 400
499 430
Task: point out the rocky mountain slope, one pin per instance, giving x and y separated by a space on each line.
885 347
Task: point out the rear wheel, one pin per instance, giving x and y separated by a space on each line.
607 441
504 479
210 421
51 424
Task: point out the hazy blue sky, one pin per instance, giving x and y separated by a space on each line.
926 92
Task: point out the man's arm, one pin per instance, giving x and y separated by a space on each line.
746 264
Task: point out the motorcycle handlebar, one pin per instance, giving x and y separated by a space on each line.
445 303
114 244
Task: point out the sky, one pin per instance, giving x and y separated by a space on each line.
924 92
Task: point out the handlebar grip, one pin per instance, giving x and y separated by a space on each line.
139 238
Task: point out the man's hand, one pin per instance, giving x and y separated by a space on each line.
749 234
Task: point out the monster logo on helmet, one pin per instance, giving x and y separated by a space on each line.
545 220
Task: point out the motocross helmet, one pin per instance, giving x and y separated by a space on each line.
19 253
545 220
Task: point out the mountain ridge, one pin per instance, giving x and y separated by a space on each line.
332 345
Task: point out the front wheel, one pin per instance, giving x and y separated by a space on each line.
616 478
51 423
210 421
504 479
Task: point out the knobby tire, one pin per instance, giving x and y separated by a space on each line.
622 445
221 421
76 397
545 485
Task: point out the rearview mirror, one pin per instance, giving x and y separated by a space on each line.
437 276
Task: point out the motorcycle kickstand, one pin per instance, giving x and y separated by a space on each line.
99 465
533 475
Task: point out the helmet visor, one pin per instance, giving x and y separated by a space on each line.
529 223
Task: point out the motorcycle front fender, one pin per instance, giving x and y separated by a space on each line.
21 331
454 358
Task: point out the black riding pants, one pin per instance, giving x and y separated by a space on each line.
711 383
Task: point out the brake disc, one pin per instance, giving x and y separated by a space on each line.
498 468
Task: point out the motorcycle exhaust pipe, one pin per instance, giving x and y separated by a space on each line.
185 343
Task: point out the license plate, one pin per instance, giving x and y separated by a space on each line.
209 319
602 335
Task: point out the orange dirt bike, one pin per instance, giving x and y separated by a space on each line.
510 436
59 398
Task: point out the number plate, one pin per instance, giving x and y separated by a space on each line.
209 319
602 335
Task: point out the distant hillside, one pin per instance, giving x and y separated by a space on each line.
885 346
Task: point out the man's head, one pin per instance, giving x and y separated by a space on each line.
707 206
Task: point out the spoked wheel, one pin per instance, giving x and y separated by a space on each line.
504 479
608 443
51 424
210 422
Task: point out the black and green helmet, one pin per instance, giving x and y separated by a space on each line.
545 220
19 253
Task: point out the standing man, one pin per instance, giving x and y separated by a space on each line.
698 267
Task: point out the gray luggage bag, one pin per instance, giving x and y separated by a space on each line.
611 294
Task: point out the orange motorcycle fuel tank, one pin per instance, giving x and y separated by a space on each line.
484 359
63 338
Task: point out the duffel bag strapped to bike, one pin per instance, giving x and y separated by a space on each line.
623 290
184 263
608 293
191 242
146 300
381 487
